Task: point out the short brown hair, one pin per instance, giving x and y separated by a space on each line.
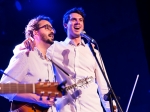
33 25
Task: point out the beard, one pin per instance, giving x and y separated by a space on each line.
47 39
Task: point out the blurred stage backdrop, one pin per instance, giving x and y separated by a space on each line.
120 27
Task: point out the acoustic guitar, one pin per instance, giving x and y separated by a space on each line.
49 89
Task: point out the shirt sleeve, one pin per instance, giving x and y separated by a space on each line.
16 71
102 85
18 48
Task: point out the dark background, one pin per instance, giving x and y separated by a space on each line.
121 28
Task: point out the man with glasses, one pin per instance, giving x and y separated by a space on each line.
27 67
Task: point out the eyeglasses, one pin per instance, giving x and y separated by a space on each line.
47 27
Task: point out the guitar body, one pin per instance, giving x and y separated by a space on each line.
26 107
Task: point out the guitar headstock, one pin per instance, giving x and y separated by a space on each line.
53 89
49 89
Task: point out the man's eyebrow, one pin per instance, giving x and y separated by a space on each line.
76 18
81 18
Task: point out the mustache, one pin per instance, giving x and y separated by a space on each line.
51 34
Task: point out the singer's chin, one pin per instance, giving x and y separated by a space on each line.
50 42
77 34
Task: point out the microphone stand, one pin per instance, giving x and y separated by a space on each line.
1 71
110 95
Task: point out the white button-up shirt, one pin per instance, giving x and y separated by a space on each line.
79 63
27 69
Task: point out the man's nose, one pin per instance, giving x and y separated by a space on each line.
77 21
53 30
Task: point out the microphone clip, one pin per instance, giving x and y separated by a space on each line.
90 39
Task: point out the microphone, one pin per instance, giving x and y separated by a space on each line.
90 39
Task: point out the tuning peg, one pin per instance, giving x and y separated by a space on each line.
49 94
56 94
39 80
55 99
46 80
42 92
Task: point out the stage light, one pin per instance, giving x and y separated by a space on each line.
18 5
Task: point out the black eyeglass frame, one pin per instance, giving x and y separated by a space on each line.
46 26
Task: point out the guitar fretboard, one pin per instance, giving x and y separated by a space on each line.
16 88
71 87
80 83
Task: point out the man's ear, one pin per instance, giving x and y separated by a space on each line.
35 32
65 25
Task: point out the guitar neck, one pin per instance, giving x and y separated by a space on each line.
71 87
80 83
42 88
17 88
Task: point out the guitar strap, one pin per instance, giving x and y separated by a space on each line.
63 72
60 68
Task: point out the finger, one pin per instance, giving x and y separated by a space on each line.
52 99
32 45
51 103
29 45
93 45
25 44
114 107
31 38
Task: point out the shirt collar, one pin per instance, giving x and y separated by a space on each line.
39 53
69 41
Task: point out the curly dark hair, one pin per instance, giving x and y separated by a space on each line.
34 25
